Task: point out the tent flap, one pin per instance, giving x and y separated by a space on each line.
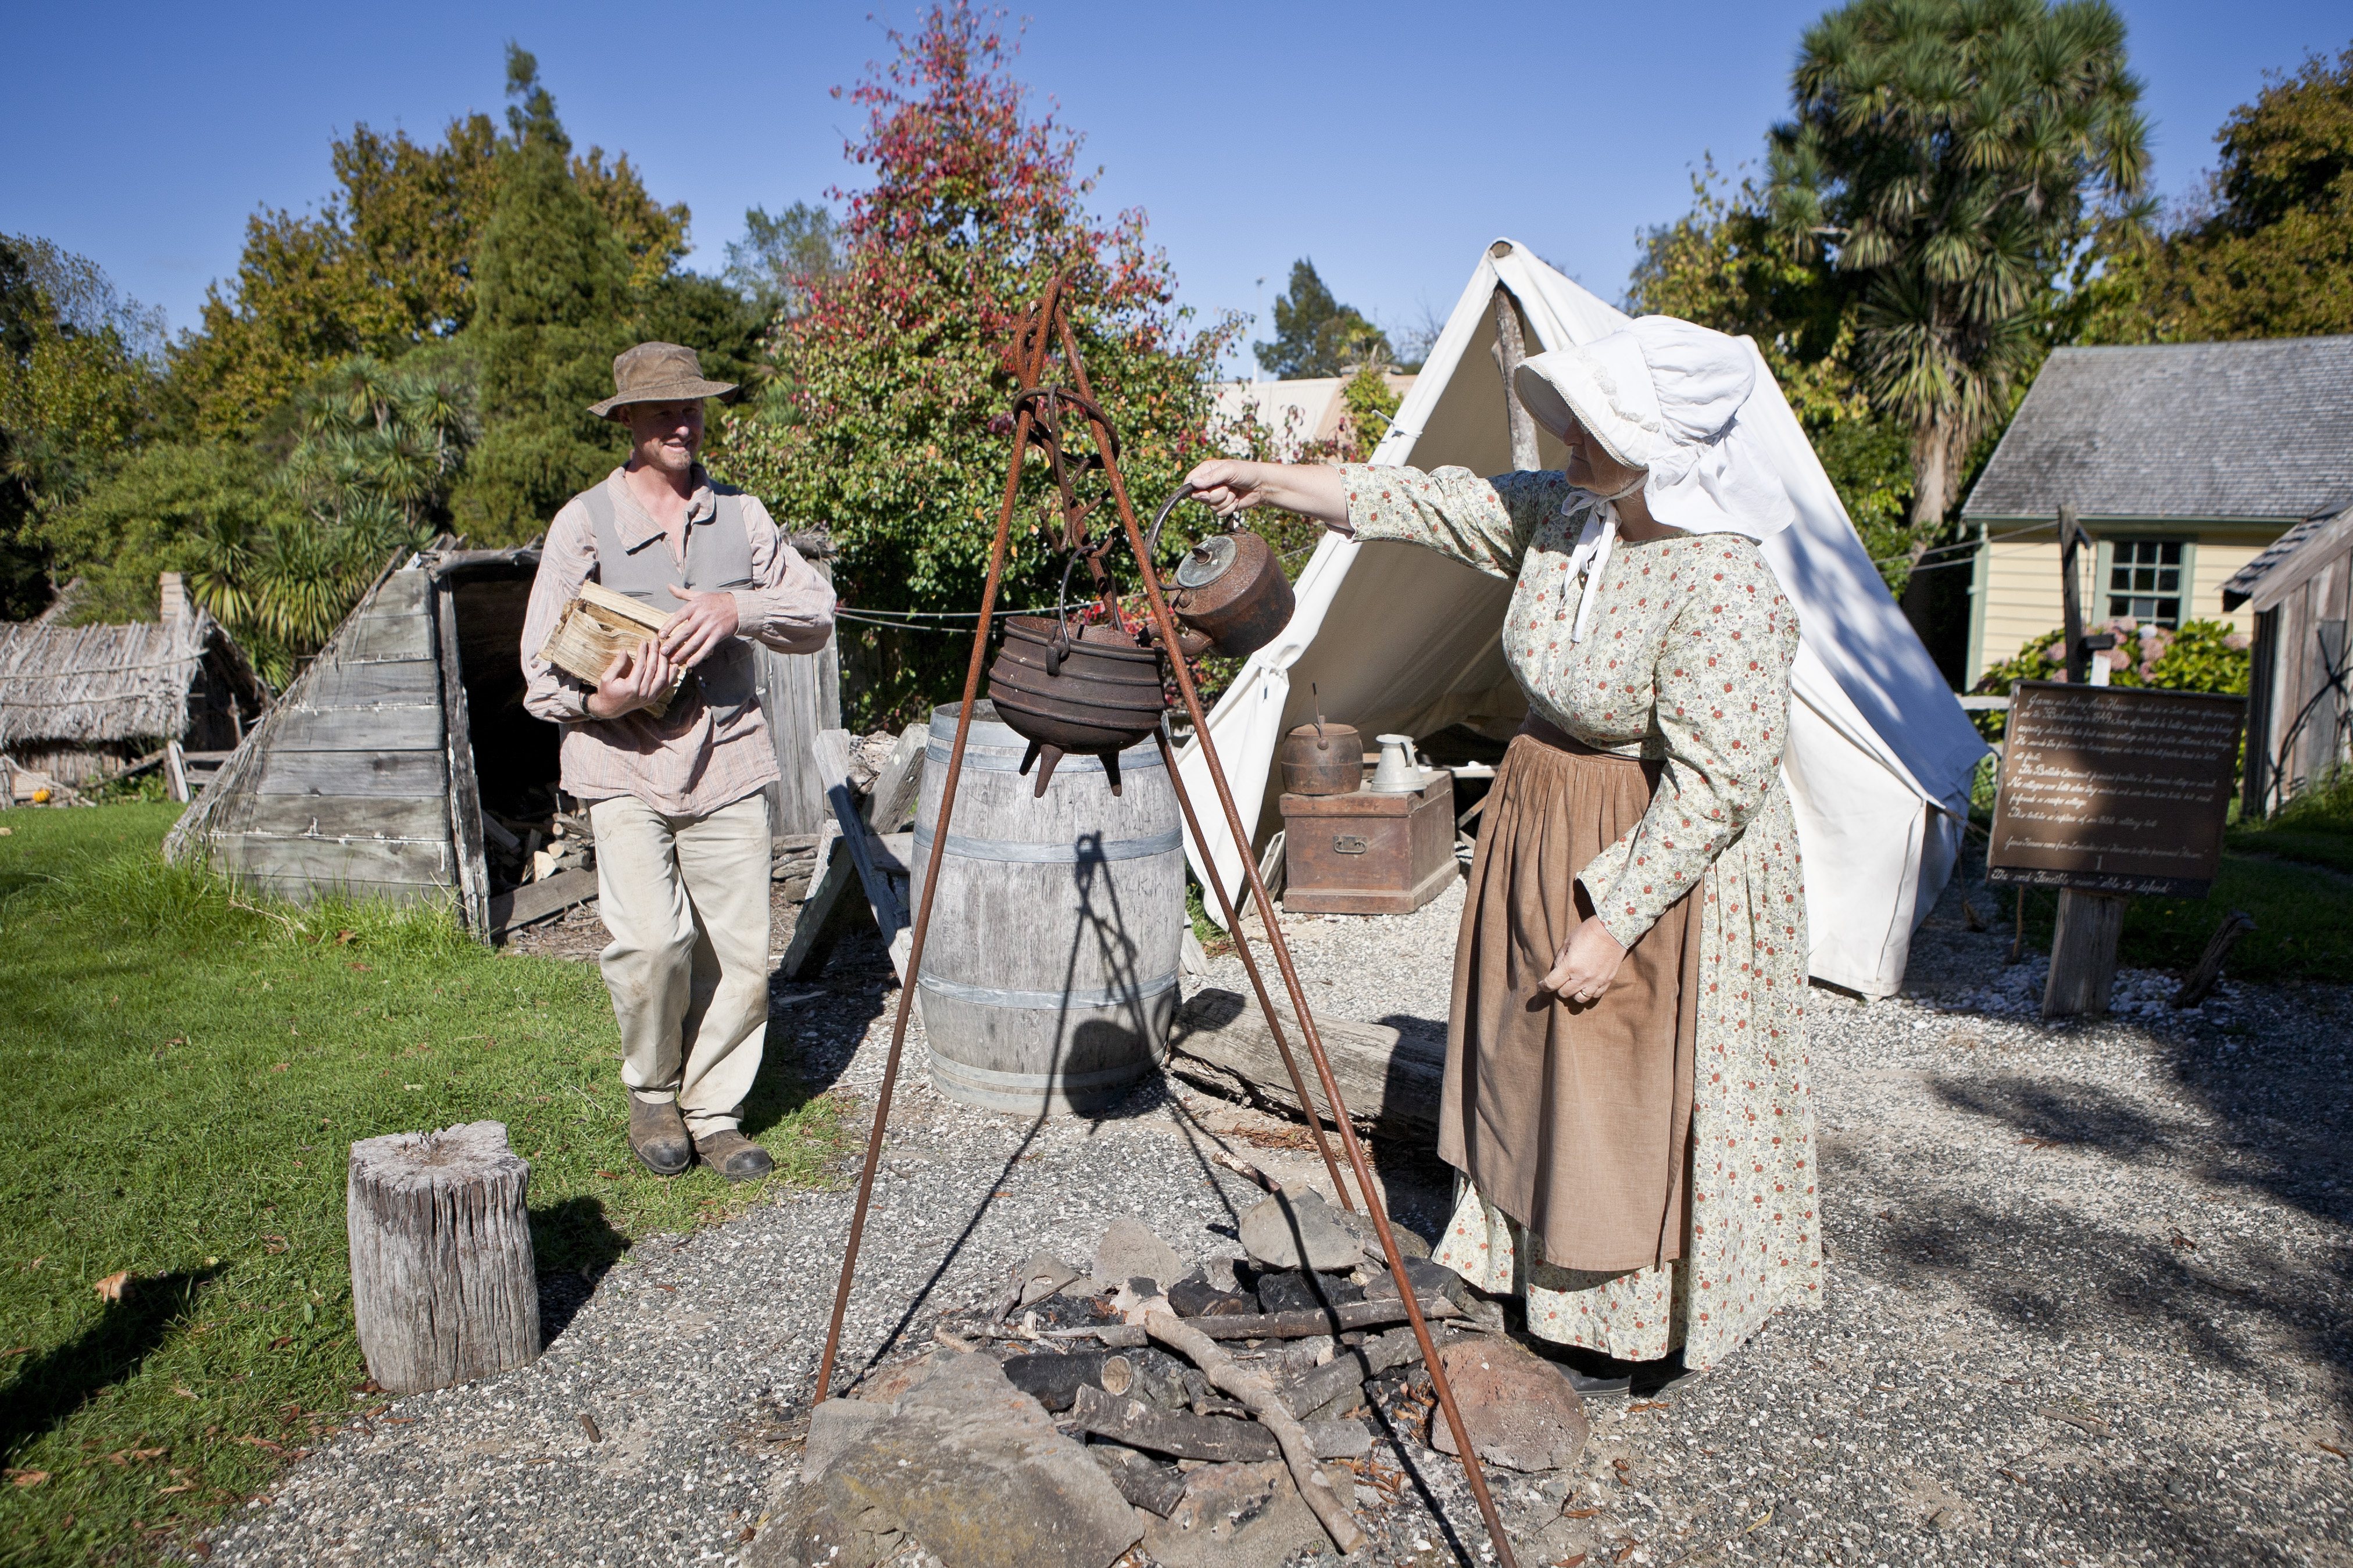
1396 639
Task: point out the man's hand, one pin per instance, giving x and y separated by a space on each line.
1588 961
638 674
708 620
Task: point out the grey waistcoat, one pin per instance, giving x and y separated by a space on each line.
718 559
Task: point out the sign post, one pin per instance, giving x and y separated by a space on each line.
2107 791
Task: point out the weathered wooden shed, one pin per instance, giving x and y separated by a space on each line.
2299 712
405 743
80 704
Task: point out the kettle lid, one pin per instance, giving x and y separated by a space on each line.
1206 562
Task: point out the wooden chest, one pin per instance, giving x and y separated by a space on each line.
1367 854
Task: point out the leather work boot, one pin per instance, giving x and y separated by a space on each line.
735 1156
657 1136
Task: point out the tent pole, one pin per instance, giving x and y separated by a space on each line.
1511 352
1165 624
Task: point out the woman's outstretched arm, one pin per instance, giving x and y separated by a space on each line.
1310 489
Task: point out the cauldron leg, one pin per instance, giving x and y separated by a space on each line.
1048 756
1028 759
1110 770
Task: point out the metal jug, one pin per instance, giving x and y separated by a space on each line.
1230 587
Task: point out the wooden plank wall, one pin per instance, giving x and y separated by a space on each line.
801 695
345 785
2316 747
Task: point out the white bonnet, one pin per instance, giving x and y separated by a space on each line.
1667 396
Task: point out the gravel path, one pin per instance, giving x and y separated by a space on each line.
2090 1302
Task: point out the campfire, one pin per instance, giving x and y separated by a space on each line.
1139 1406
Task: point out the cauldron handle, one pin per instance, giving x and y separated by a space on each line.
1059 648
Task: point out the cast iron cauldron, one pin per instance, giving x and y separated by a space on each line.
1065 688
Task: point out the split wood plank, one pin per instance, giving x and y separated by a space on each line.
462 801
405 637
422 820
414 774
520 907
1220 1440
381 727
1387 1077
890 801
885 895
414 681
2201 980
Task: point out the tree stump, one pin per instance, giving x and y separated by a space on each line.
443 1284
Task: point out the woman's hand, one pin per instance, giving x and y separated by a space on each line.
1310 489
638 675
1588 962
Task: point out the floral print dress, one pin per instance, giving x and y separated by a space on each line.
1686 661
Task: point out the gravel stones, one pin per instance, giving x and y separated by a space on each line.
1299 1230
1130 1249
973 1470
1519 1410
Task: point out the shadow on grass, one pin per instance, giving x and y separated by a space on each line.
51 1385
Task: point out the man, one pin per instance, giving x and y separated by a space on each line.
676 800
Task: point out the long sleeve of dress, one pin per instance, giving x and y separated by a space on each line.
1484 524
1723 685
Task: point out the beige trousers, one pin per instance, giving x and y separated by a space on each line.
686 899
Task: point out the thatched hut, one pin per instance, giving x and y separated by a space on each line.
81 704
401 763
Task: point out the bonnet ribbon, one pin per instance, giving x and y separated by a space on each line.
1591 554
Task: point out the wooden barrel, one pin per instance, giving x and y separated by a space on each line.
1050 969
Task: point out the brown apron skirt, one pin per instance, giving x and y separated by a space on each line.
1573 1119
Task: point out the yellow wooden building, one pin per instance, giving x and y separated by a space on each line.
2185 461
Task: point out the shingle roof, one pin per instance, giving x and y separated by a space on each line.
2260 429
2245 581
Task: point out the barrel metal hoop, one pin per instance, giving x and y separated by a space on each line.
1036 1081
988 760
1054 1001
1026 852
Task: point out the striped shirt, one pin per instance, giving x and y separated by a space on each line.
685 763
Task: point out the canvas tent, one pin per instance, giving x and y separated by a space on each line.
1879 755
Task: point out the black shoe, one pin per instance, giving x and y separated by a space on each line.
1592 1374
1652 1378
657 1136
735 1156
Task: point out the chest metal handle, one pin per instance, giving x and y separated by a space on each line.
1347 844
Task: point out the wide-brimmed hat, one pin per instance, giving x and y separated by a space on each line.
658 372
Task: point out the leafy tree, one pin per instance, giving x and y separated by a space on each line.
1958 156
1314 334
392 260
279 551
782 261
74 391
887 418
554 306
1723 265
2270 253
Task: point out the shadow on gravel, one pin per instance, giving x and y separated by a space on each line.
2055 1272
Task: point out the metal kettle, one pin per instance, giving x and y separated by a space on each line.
1320 758
1231 589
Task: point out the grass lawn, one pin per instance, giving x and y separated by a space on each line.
190 1071
2302 914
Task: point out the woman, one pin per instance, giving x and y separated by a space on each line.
1627 1092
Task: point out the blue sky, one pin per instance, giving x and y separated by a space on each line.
1387 142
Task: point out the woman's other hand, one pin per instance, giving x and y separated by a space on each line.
1310 489
1588 962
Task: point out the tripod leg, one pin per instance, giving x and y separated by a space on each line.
1250 967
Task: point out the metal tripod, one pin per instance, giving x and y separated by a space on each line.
1037 417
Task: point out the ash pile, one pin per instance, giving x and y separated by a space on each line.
1147 1409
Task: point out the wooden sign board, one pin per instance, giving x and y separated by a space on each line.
2115 789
